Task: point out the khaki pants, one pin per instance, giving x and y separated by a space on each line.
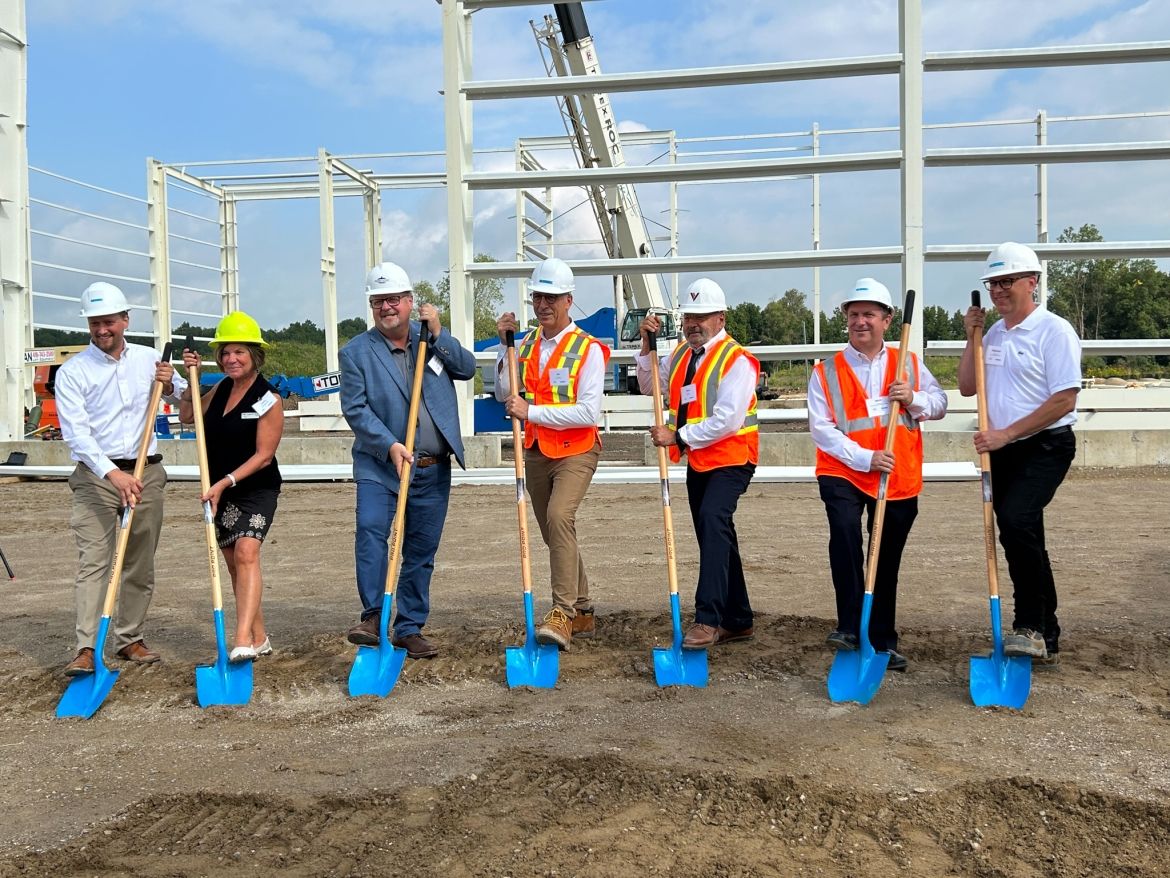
95 520
557 486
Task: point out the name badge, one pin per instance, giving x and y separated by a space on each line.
689 393
249 416
435 365
878 408
558 377
263 404
993 355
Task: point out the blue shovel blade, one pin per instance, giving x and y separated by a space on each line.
84 695
376 668
533 664
1000 681
856 675
226 683
674 666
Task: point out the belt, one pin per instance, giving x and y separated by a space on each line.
425 460
127 466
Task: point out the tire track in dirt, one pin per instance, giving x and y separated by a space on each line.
529 815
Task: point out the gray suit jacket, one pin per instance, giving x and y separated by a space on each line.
375 398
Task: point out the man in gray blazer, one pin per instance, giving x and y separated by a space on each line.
377 369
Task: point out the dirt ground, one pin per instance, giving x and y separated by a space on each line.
607 775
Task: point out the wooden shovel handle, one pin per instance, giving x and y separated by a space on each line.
204 478
984 457
518 455
879 517
663 471
139 468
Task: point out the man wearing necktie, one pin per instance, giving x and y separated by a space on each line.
711 394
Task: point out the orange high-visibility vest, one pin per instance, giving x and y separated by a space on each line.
742 446
847 404
539 390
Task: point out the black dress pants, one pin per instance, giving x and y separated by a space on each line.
721 598
844 504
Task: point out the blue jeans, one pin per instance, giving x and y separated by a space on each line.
426 510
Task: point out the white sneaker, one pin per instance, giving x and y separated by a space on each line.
242 654
264 648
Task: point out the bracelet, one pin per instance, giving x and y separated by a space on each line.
231 479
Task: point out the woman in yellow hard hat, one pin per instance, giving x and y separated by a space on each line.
243 421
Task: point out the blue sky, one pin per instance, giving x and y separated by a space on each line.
114 82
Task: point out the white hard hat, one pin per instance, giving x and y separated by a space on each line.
101 299
1011 258
704 296
552 277
869 290
387 277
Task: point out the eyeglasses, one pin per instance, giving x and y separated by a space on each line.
378 302
545 297
1005 282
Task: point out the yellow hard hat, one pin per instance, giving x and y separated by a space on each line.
238 328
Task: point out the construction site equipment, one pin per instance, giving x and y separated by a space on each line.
996 680
533 664
224 682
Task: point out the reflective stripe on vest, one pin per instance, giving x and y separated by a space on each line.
837 401
569 353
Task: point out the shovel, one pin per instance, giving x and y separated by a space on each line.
996 680
857 674
533 664
7 566
223 682
376 668
673 665
84 695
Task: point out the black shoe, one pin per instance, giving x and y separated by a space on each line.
897 662
365 633
842 640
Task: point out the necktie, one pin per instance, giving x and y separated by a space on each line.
683 407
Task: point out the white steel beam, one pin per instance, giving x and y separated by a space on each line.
457 120
910 116
1048 56
328 258
1073 251
229 256
690 77
1032 155
690 172
159 247
15 267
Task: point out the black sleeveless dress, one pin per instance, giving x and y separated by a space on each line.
247 509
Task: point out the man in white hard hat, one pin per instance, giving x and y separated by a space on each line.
1032 363
102 396
710 385
849 397
562 376
377 372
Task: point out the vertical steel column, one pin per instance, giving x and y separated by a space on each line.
373 217
910 121
673 150
816 235
16 314
521 213
460 216
328 257
229 266
1042 203
159 248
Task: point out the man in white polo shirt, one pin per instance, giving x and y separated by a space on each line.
1032 360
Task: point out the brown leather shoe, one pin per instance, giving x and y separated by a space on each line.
138 653
701 636
82 663
726 635
584 624
416 646
365 632
556 628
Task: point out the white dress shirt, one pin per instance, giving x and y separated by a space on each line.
1027 364
731 399
929 404
586 411
101 402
